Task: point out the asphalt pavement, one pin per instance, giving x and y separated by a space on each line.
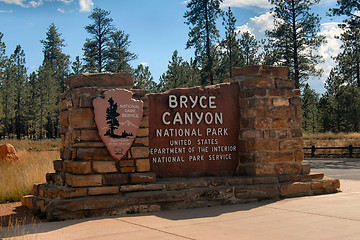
343 168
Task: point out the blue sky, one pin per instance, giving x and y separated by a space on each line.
156 27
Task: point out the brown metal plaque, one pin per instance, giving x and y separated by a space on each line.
194 132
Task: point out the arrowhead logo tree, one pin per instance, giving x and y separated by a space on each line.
118 118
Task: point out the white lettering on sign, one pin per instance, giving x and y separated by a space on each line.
192 118
202 101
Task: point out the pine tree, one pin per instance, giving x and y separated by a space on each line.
107 48
310 101
179 74
295 37
2 79
143 79
349 59
33 107
54 56
20 78
8 98
232 56
119 55
203 35
51 74
96 52
249 47
77 66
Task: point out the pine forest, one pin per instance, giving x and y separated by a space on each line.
29 100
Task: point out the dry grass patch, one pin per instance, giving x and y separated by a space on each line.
17 179
35 145
332 140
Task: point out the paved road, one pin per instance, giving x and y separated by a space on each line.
345 168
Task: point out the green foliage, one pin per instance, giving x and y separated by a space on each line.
107 48
340 104
232 57
17 61
346 7
119 54
77 66
249 47
180 74
95 48
310 102
349 59
295 38
143 79
203 34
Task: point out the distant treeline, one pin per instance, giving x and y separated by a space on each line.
29 101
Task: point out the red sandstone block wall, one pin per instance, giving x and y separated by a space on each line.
85 161
270 122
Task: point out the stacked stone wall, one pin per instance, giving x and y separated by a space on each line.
270 122
86 166
88 181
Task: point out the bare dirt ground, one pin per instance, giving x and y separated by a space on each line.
12 214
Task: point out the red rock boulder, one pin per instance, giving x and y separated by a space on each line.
8 153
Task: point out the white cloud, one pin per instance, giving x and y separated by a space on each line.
3 11
35 4
16 2
258 25
86 5
32 3
264 4
329 49
61 10
144 64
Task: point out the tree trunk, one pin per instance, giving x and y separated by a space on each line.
295 54
208 52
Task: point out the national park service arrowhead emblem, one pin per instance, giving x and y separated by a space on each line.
118 118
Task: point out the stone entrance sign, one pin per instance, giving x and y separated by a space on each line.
118 118
194 132
223 144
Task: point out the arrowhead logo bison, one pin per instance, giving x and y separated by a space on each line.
118 118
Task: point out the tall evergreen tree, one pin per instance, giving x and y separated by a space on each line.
203 34
310 101
2 79
8 96
51 74
349 59
33 107
230 43
77 66
54 57
143 79
119 54
295 37
179 74
96 52
249 47
20 78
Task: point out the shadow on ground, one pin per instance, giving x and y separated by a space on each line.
322 163
175 215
